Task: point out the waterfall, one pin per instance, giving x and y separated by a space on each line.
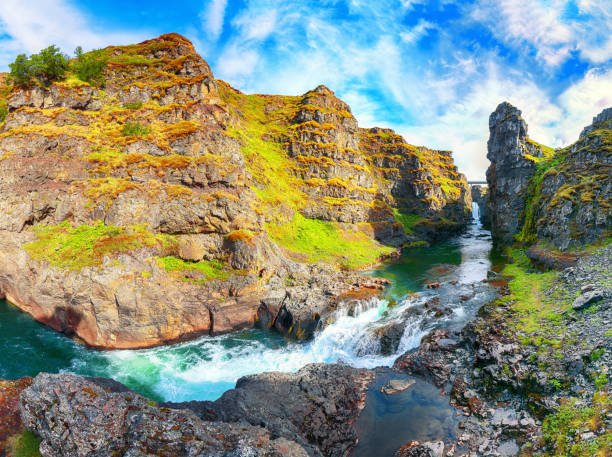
475 212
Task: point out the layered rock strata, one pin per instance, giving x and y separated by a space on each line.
166 205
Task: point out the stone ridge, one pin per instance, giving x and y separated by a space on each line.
167 204
560 197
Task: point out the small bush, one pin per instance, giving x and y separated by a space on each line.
90 67
134 105
43 68
135 128
3 113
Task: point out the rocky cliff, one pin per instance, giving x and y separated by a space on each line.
165 204
560 197
512 154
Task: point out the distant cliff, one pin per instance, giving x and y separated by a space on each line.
537 194
160 203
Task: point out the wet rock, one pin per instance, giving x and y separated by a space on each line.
426 449
396 386
315 407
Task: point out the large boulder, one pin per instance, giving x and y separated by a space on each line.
86 417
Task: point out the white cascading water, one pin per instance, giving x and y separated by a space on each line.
205 368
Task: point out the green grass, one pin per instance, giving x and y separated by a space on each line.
134 105
74 248
408 221
315 240
135 128
561 430
534 311
211 269
25 444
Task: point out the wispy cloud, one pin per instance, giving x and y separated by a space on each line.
431 69
213 17
33 25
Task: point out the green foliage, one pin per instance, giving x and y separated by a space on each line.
528 234
596 354
135 128
533 310
561 430
408 221
43 68
601 381
89 67
134 105
314 240
25 444
3 113
74 248
211 269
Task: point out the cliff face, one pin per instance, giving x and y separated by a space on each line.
536 194
167 204
512 154
569 199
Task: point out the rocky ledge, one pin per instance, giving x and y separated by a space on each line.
304 414
158 203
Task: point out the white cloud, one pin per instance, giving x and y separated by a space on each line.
519 22
213 17
256 26
417 32
35 24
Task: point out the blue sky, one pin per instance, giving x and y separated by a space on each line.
432 70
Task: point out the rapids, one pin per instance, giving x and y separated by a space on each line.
203 369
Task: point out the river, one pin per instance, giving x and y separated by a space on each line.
204 368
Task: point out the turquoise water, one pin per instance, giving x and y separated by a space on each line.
204 368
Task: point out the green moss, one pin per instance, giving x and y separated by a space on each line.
210 269
135 128
533 310
562 429
408 221
134 105
314 240
25 444
74 248
533 196
416 244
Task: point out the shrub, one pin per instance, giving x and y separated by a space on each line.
90 67
43 68
135 128
3 113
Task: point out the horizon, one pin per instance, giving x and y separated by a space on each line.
554 65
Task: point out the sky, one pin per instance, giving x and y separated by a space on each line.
431 70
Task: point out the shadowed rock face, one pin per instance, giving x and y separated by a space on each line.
510 169
131 239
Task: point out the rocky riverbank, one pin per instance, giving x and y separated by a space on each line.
157 203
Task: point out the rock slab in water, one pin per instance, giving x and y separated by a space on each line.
395 386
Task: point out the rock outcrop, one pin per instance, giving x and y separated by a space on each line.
76 416
512 155
167 204
537 194
571 198
272 414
